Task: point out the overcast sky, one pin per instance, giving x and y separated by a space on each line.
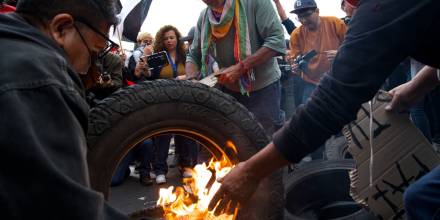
184 13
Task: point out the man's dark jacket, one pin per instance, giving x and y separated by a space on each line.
381 35
43 119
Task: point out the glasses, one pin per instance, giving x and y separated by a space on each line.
110 45
305 15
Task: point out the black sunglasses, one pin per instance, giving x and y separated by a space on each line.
110 44
305 14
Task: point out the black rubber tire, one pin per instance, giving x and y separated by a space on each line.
138 112
317 185
336 148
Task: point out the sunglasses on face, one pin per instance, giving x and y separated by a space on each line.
305 14
110 45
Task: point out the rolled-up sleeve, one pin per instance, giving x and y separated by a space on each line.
269 27
195 52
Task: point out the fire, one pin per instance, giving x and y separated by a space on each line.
191 201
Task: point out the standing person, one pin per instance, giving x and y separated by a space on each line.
288 24
243 36
45 45
168 39
137 71
376 34
322 34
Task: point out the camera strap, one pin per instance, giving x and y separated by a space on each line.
173 65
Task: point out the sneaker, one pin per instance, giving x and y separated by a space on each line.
161 179
145 180
152 175
187 173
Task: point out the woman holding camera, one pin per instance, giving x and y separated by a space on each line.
168 40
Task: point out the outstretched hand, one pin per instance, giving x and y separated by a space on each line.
237 187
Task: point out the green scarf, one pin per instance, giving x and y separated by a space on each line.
233 14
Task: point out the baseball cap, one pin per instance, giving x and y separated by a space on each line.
303 4
352 3
190 35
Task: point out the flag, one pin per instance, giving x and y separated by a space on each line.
132 16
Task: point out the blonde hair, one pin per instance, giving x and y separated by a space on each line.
144 35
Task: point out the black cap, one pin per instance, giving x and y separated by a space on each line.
300 5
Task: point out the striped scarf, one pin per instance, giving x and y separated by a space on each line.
211 30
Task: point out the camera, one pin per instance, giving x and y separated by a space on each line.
303 60
105 77
156 60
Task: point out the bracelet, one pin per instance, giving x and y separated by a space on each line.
244 67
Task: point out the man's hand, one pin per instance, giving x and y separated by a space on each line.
408 94
331 54
181 77
230 75
404 96
237 187
295 69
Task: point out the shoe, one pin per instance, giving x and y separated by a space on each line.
145 180
152 175
161 179
187 173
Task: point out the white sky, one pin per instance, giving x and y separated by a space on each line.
183 14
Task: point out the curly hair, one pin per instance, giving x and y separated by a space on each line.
159 44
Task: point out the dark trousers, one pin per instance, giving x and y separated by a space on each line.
144 151
264 104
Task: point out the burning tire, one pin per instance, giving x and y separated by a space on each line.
320 190
193 110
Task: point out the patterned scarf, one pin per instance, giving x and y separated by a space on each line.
233 14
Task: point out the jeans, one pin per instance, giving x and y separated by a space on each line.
307 90
144 151
419 117
264 104
422 198
187 148
188 151
288 104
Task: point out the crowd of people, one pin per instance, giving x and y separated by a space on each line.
301 90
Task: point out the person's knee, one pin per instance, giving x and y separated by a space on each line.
412 196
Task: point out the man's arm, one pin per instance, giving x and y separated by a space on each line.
408 94
367 56
233 73
288 24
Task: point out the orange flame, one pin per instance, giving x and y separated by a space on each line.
191 201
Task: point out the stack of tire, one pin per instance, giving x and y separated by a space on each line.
319 189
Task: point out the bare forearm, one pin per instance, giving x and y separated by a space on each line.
426 79
280 10
259 57
191 70
265 162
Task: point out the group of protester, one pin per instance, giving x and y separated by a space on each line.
44 108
